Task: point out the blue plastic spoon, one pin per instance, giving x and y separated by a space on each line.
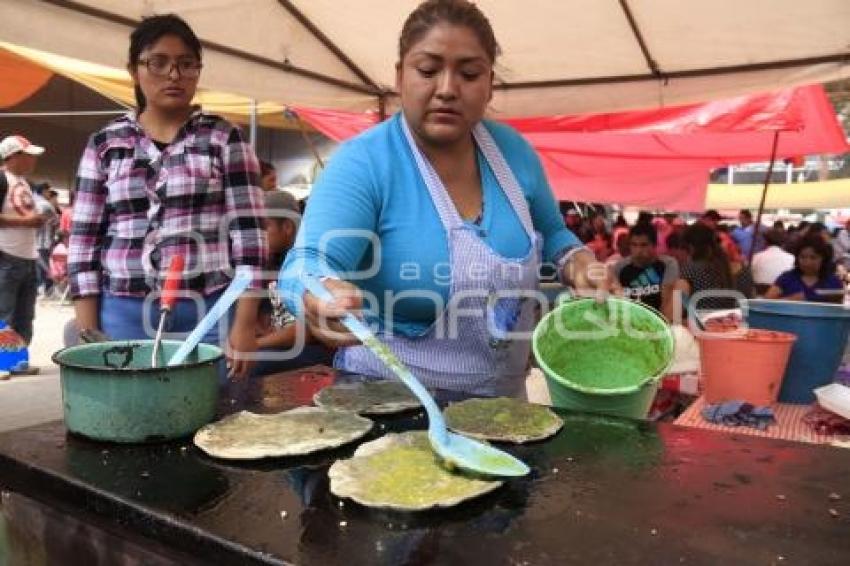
239 283
456 450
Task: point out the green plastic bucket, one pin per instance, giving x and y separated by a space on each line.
603 358
111 392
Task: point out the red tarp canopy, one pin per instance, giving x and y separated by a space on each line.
656 158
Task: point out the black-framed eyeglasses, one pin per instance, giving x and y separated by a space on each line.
160 66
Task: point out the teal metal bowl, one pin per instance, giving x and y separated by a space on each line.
110 391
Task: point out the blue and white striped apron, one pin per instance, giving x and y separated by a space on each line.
466 349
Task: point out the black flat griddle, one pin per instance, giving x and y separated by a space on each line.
603 491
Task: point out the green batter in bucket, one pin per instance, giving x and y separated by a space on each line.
603 358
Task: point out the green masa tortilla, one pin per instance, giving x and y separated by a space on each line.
502 419
301 431
402 472
368 397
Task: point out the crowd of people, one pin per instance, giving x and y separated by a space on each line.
661 254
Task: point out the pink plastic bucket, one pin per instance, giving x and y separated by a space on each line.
744 366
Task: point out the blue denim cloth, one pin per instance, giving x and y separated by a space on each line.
17 293
739 413
123 318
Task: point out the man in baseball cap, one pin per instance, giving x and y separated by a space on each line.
18 144
19 223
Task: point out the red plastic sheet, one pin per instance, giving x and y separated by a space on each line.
772 111
658 158
668 168
336 124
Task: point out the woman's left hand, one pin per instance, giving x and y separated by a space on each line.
588 276
243 344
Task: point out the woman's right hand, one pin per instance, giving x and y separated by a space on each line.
323 318
588 276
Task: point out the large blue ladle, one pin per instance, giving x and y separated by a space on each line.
456 450
239 283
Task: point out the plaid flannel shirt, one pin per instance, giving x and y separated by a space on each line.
137 207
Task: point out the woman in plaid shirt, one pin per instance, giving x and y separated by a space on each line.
163 181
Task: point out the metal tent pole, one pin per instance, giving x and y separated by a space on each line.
253 132
767 177
292 114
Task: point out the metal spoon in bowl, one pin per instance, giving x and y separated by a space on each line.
166 301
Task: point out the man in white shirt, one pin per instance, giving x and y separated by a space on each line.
19 223
772 262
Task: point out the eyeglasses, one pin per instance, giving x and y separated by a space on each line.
160 66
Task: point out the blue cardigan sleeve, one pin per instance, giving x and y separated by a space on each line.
338 225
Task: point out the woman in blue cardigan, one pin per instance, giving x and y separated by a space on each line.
436 221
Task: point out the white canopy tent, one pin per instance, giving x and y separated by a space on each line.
564 56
